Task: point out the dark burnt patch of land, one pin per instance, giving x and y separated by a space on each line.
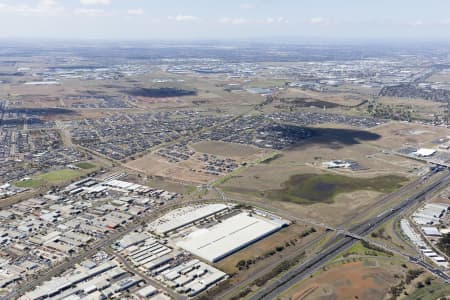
413 91
164 92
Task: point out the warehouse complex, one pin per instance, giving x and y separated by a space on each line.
182 217
425 228
172 251
214 231
229 236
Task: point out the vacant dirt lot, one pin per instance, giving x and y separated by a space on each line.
192 169
395 134
184 171
357 280
231 150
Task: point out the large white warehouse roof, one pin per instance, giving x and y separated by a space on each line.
229 236
424 152
184 216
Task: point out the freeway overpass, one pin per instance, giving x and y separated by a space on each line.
346 240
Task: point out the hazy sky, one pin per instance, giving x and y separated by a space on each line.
224 19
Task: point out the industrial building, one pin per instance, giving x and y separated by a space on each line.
230 235
418 241
430 213
172 268
191 277
185 216
91 281
64 284
424 152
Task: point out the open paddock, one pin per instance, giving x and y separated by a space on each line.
355 280
185 171
231 150
255 181
338 98
396 134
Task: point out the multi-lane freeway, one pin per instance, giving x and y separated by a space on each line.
344 242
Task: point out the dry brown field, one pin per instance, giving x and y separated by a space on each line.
356 280
397 134
235 151
185 171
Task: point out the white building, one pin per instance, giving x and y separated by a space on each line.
229 236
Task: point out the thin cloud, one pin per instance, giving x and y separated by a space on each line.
239 21
135 12
43 8
317 21
416 23
277 20
95 2
183 18
90 12
247 5
233 21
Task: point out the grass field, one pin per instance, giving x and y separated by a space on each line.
435 290
85 165
53 177
31 184
390 234
313 188
360 250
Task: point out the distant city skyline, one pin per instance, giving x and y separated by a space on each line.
233 19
